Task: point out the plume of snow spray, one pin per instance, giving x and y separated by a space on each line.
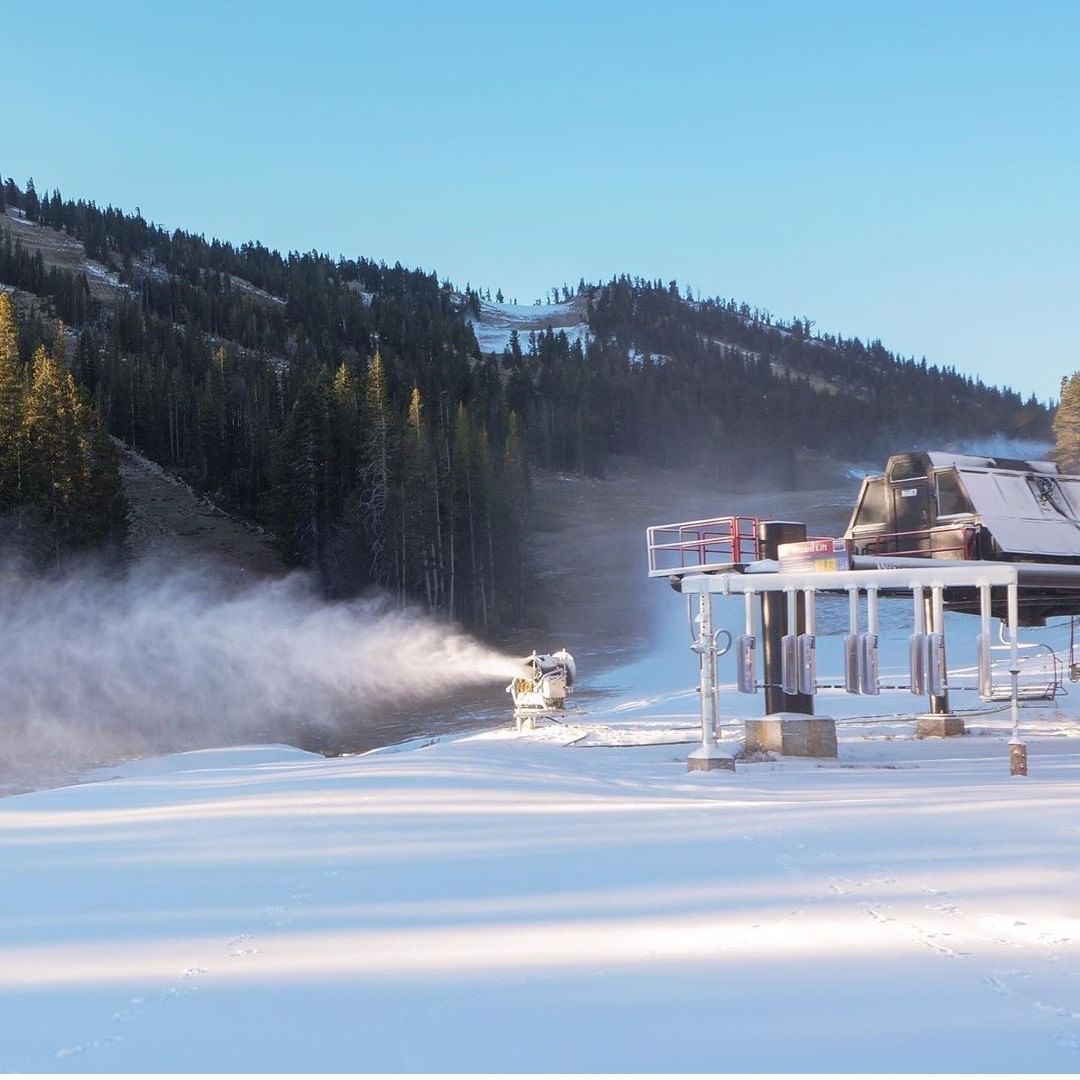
154 660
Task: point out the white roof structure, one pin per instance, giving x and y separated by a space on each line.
940 459
1026 514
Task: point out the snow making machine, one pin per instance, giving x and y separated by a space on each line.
541 689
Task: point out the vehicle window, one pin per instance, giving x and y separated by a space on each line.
907 466
874 508
951 497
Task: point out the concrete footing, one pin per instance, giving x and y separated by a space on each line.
793 734
939 726
707 758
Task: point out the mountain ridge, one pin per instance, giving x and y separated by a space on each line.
380 423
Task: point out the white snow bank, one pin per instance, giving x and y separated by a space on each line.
505 903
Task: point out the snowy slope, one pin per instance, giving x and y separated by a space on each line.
496 322
506 903
570 899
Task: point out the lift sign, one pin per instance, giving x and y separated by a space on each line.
815 556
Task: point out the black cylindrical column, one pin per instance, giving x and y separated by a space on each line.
772 534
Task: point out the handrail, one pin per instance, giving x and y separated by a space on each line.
684 545
872 544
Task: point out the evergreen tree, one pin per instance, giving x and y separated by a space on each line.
376 500
1067 425
419 554
12 405
30 202
301 492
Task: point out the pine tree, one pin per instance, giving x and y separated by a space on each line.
1067 425
376 481
301 491
345 431
31 204
419 508
515 508
54 459
12 406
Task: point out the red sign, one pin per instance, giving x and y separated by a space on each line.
821 556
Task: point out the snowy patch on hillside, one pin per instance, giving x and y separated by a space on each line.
495 323
739 350
636 357
107 277
253 290
154 270
366 298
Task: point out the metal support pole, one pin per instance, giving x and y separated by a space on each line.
983 646
852 643
935 607
868 659
774 623
707 679
918 656
707 756
1017 748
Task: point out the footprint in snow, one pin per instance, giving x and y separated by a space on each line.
93 1044
277 915
929 938
1060 1011
240 947
878 916
1000 981
946 909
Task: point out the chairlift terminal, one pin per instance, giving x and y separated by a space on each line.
983 536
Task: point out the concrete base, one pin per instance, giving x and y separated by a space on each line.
707 758
794 734
939 726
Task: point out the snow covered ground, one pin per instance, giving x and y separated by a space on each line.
496 322
570 899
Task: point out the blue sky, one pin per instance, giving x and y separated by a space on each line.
908 171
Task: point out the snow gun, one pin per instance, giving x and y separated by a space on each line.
545 681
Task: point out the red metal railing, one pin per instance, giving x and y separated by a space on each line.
908 543
710 542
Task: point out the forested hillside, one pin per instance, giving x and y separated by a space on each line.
59 480
350 408
713 385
